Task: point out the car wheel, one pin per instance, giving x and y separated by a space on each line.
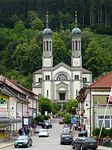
28 145
15 146
73 147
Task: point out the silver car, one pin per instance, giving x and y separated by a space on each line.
23 141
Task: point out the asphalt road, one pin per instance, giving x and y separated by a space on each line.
52 142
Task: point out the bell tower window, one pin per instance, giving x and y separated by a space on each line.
76 44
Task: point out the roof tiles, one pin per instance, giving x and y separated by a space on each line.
103 82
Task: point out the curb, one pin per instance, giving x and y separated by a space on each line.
6 145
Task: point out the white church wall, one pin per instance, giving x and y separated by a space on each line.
46 73
76 88
47 89
88 76
37 76
37 91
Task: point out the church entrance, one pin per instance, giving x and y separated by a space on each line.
62 96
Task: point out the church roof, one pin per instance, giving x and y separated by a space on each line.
38 71
62 64
86 71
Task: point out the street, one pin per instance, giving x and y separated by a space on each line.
49 143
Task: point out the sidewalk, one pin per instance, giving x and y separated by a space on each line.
7 143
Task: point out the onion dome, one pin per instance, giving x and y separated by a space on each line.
76 30
47 30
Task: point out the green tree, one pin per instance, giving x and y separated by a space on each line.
67 119
71 106
60 52
19 28
45 104
37 24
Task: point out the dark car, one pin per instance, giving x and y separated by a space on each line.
48 124
66 138
84 143
83 134
23 141
45 124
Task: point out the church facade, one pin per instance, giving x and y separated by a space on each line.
61 83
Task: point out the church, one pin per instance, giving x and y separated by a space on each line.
61 83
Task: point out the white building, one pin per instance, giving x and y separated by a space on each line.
61 82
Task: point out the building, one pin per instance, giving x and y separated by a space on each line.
61 82
96 109
16 103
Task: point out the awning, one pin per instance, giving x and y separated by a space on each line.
5 120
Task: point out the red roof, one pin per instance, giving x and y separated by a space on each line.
103 82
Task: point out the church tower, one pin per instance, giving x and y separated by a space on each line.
76 59
47 59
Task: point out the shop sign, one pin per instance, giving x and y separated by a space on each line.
3 104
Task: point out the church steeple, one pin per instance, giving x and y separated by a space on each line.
47 43
76 45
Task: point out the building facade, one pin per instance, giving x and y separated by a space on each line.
98 108
16 103
61 82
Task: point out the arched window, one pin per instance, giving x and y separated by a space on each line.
62 77
76 77
76 44
47 46
47 77
84 79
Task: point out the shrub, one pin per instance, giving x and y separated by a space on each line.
67 119
96 132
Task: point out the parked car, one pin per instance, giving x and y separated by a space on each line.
23 141
66 138
48 124
76 144
84 143
66 129
45 124
37 129
43 133
83 134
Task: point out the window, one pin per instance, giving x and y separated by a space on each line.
47 46
84 79
47 93
47 77
76 77
62 77
39 80
76 45
107 123
76 92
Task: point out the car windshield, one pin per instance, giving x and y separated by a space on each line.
90 140
22 138
66 135
80 140
43 130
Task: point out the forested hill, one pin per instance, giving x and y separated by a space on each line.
22 23
94 13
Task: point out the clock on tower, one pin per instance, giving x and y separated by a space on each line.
47 62
76 62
